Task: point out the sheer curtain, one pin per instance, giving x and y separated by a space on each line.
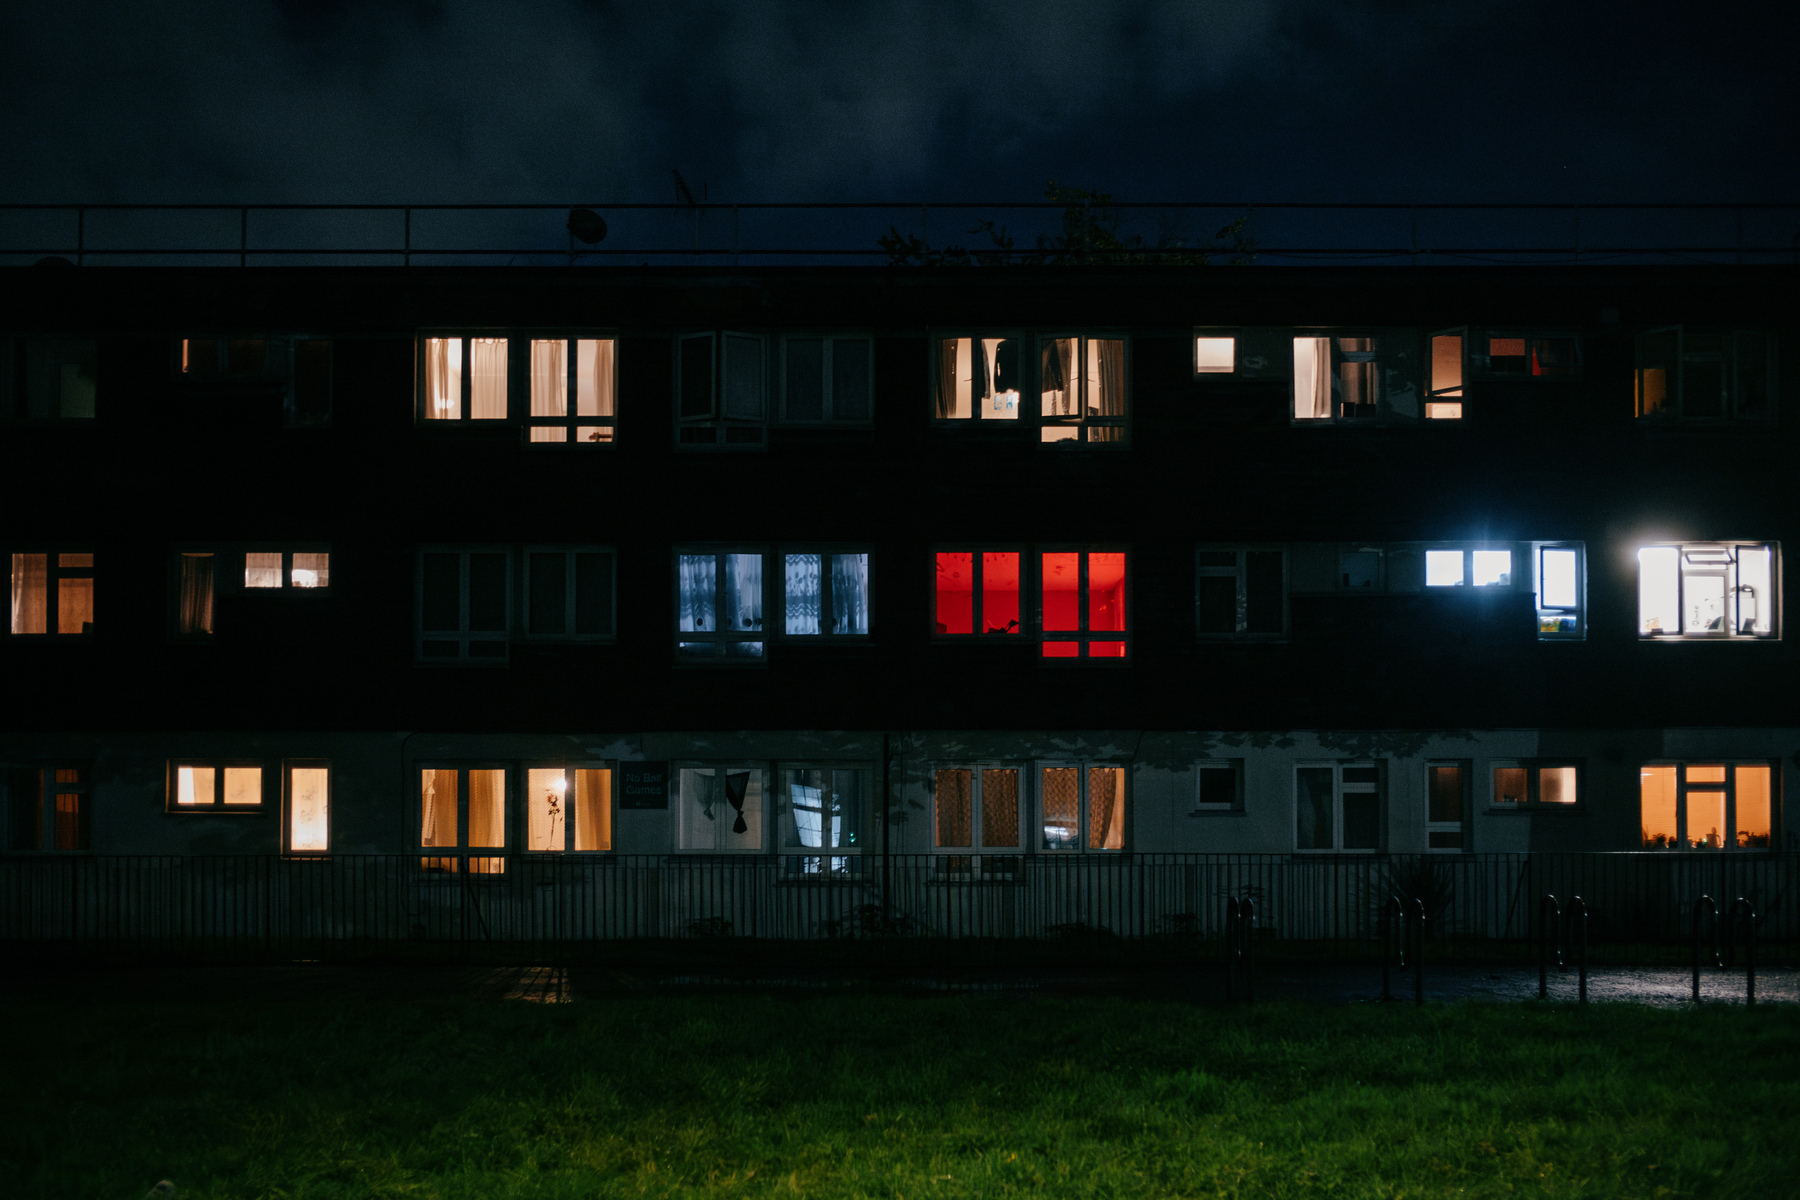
487 379
949 349
196 599
549 378
30 593
698 582
437 807
1312 378
443 378
487 808
849 593
803 593
1106 393
594 378
590 817
743 601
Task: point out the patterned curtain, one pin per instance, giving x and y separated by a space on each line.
954 807
1062 807
699 590
802 592
849 593
1000 808
1106 808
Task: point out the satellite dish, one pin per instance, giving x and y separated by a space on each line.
586 226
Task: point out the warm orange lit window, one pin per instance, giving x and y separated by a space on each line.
462 810
568 809
572 390
463 378
52 593
287 569
1444 395
976 379
196 786
978 592
1706 806
1083 808
1082 390
976 821
1550 784
1083 604
307 792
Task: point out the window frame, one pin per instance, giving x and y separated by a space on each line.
54 574
1548 613
238 555
461 851
463 636
570 422
1533 767
566 766
1463 828
1040 843
830 418
217 806
1468 586
39 365
1027 375
793 859
1456 394
1339 789
1239 572
977 863
1381 357
1084 635
1235 767
1200 333
571 594
721 424
827 593
1082 423
1482 361
977 618
38 810
717 637
764 836
1728 789
1731 365
1725 633
288 767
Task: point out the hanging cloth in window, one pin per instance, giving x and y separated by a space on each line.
196 602
736 785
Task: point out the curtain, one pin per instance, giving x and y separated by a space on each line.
1106 808
545 796
737 784
590 817
803 593
849 593
487 807
698 582
1312 378
308 817
487 379
954 807
549 378
743 592
594 377
30 593
1000 808
262 569
1062 807
443 378
437 808
1057 377
195 603
1107 356
946 389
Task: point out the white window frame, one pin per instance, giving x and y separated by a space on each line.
825 862
463 636
1082 423
567 767
1730 629
1039 829
1239 572
715 428
827 594
1464 828
1233 767
571 422
1683 787
1560 622
1024 376
717 637
571 596
765 811
1339 789
465 414
830 404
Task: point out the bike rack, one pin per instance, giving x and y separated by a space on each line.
1553 925
1405 912
1240 947
1725 932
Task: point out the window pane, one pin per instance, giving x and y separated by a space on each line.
1000 808
1106 592
1714 773
1509 785
1555 357
1262 591
956 593
1058 381
487 379
593 594
311 570
1656 808
743 377
243 785
590 817
1755 591
439 604
199 356
443 378
246 356
1444 410
1705 820
1492 568
1561 587
1215 355
1362 821
74 605
1506 355
1098 649
1062 649
1705 592
487 593
850 593
437 807
1312 808
955 378
1446 800
30 593
1447 365
743 592
594 377
1656 372
997 369
850 379
307 814
803 592
1750 392
262 569
1753 808
806 379
1218 785
545 793
193 785
699 591
955 807
1556 785
1000 593
1062 806
549 593
807 804
1658 590
846 827
697 376
1062 591
1218 603
1443 568
487 807
549 378
71 816
1106 808
1105 384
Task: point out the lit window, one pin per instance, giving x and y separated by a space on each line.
1083 807
1515 355
1444 395
568 593
1447 806
53 593
463 606
307 794
1082 389
578 368
568 809
1337 378
1561 591
720 597
978 592
463 378
976 820
306 569
1525 784
1469 568
194 590
824 823
1719 806
827 380
1337 807
721 808
1241 593
462 820
1215 355
1083 605
721 385
1707 590
825 595
1706 375
976 379
215 786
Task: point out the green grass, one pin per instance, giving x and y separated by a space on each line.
891 1097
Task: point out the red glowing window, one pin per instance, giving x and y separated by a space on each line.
1083 594
978 592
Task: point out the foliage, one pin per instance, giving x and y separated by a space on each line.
1090 237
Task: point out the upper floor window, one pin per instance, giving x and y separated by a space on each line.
721 386
1337 378
1446 367
1712 806
720 600
464 606
573 382
1082 390
463 378
1215 354
1082 600
271 569
200 575
48 379
1241 592
977 592
825 594
827 380
1083 807
1696 374
1513 354
1561 590
1708 590
568 593
977 378
53 593
1469 568
298 367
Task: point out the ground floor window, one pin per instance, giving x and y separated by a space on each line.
568 808
721 808
307 793
1447 806
215 786
1337 807
976 811
1552 784
462 820
1706 806
48 808
1083 807
823 810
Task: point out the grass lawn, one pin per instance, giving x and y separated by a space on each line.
914 1099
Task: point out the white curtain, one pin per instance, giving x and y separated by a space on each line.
803 593
698 582
30 593
1312 378
487 379
849 593
594 378
549 378
443 379
743 592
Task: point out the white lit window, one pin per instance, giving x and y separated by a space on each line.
1337 378
1469 568
568 808
215 786
581 369
307 795
720 600
721 808
1561 591
1215 355
825 595
463 378
1708 590
977 378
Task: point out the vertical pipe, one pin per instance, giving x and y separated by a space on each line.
243 236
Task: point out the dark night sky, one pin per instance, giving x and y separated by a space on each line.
547 100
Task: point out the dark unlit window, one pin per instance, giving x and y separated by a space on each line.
59 379
721 385
1337 807
1447 806
827 380
464 608
1514 355
1241 592
1706 375
568 593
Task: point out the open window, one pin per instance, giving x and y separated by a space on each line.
569 593
824 820
53 593
1448 365
827 380
1705 375
1083 385
462 820
1337 378
1706 806
1082 807
569 809
976 822
1447 807
1719 590
1529 355
722 808
720 601
216 785
1553 785
977 593
1241 592
977 378
1083 604
574 382
1561 587
721 386
463 378
1337 807
825 594
463 606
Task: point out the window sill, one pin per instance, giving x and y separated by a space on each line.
220 810
1221 811
1529 808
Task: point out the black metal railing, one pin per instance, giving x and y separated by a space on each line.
773 233
1475 905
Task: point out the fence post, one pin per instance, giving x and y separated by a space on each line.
1389 911
1249 937
1231 947
1704 903
1578 910
1549 924
1418 915
1741 905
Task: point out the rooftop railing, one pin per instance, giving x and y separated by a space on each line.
720 234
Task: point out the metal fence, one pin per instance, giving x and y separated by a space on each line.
1329 906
